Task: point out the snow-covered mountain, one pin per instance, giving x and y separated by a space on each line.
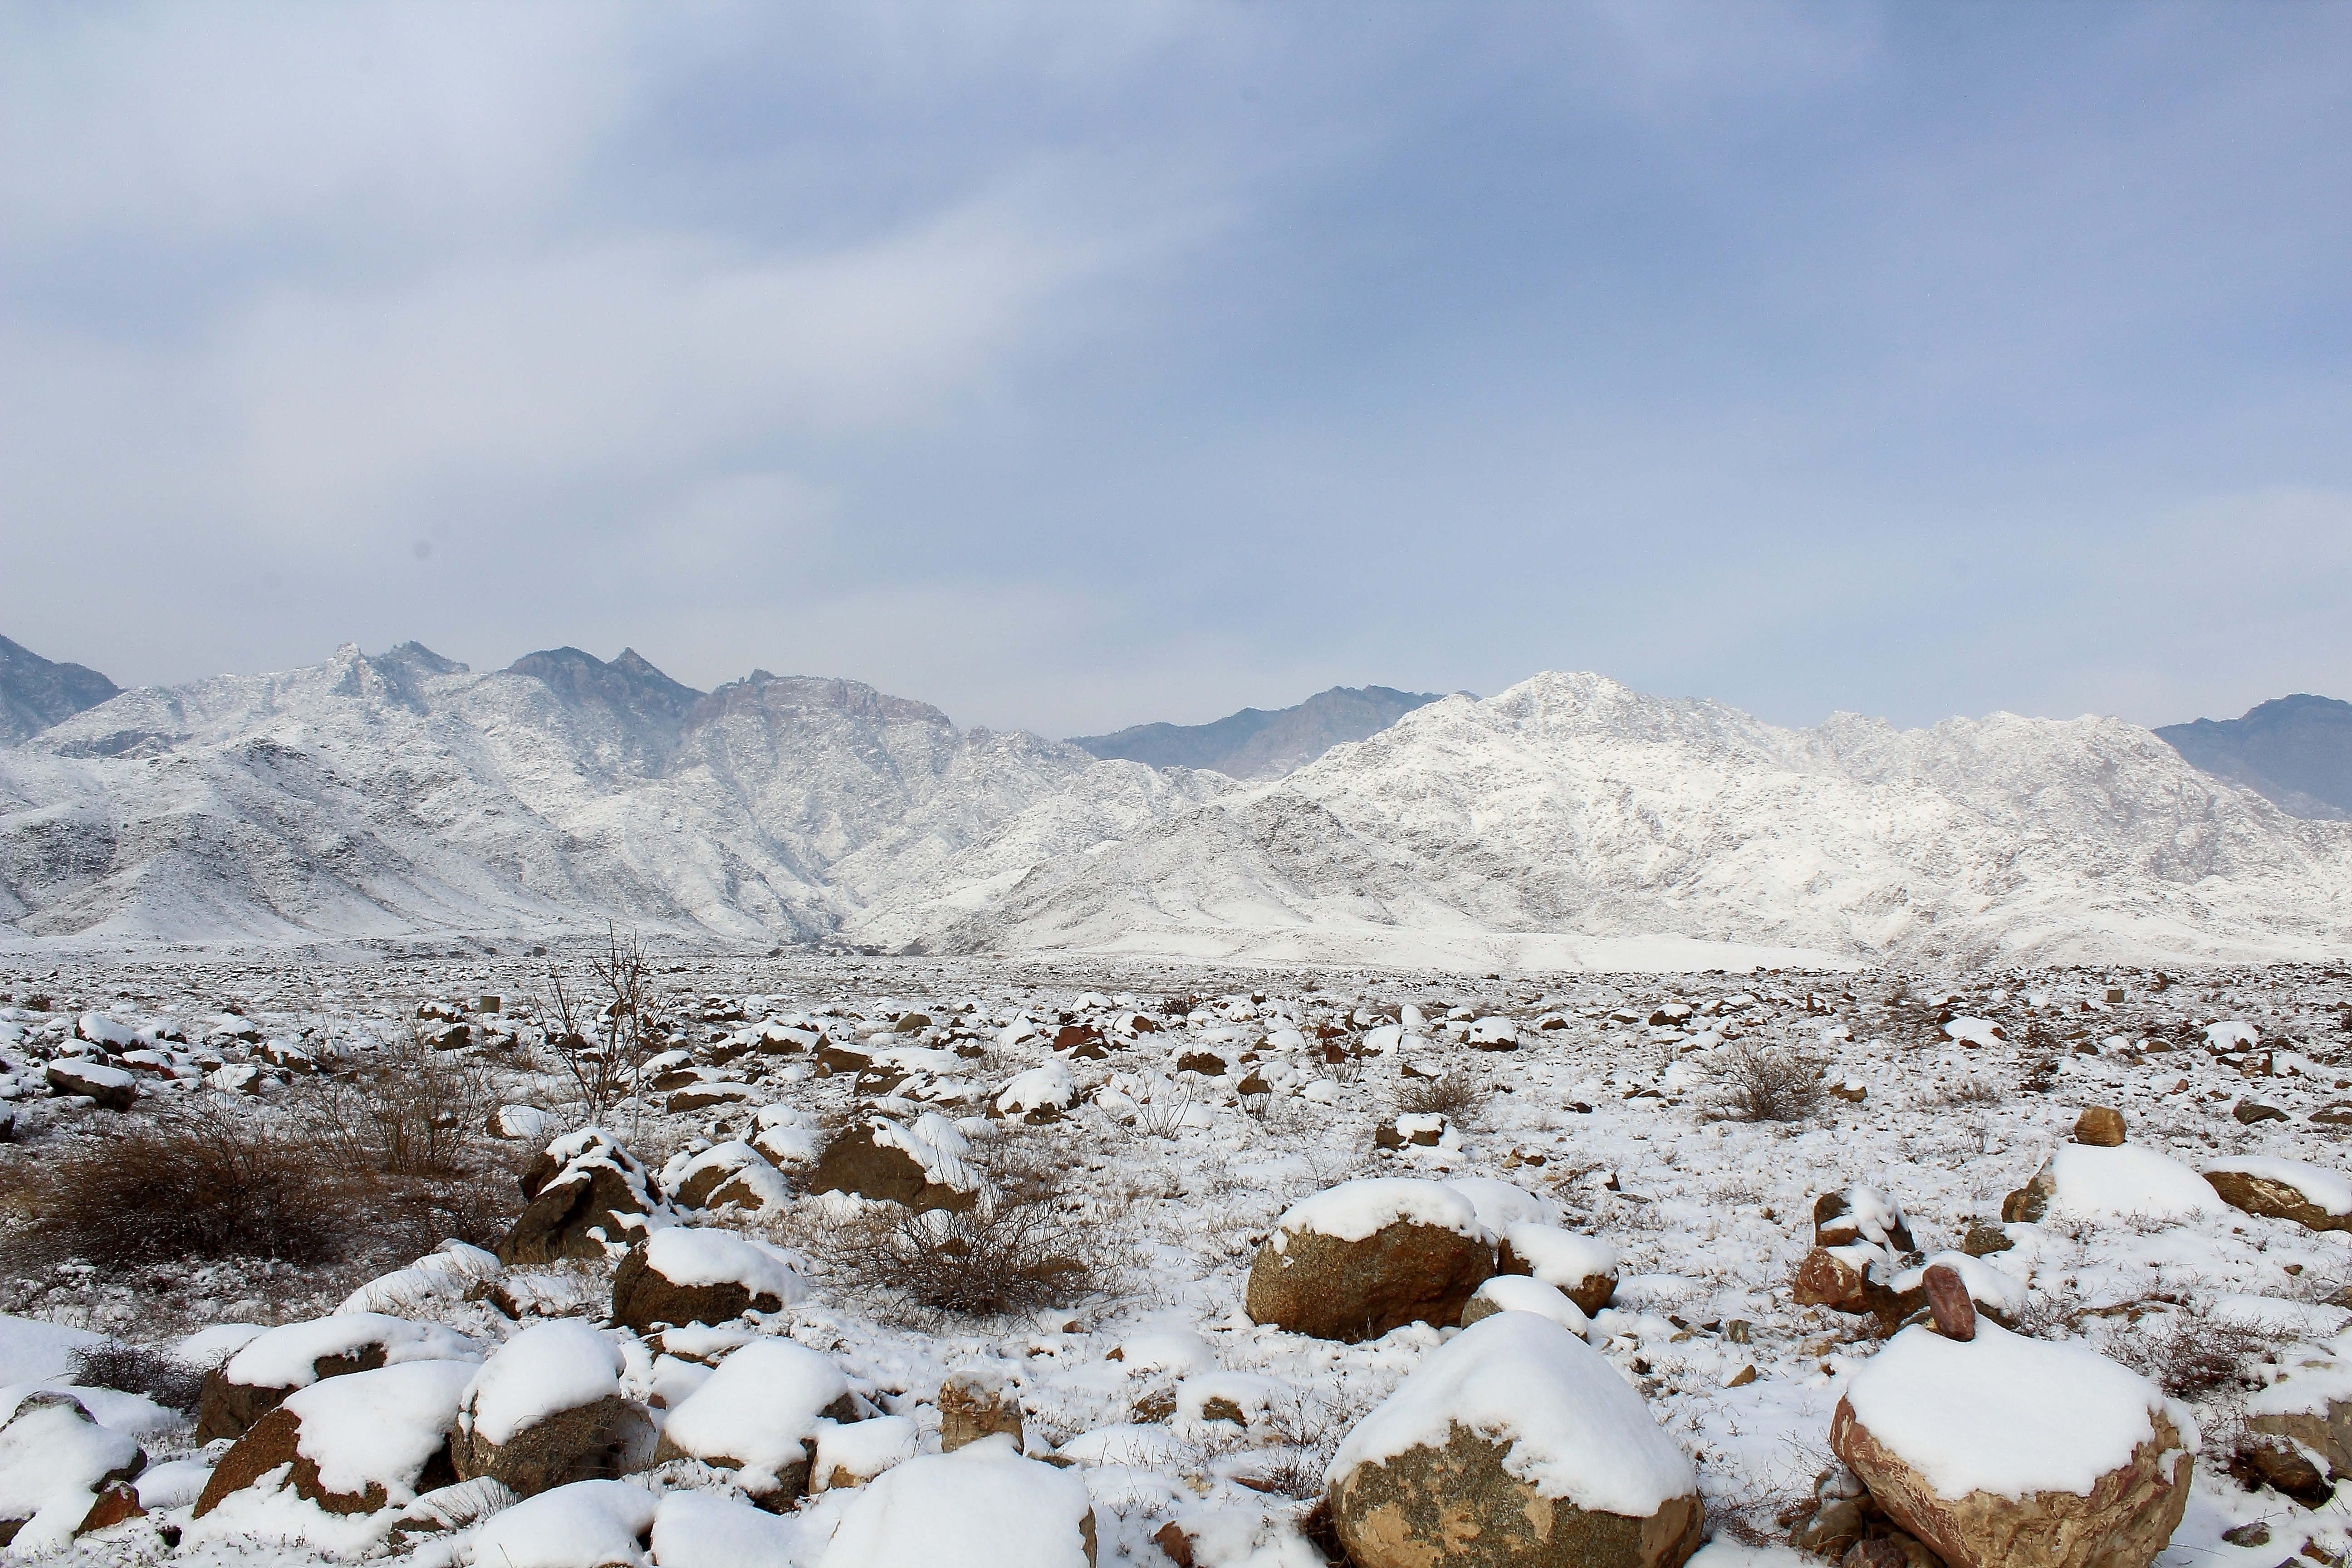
1256 744
401 795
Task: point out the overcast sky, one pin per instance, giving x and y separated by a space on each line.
1073 366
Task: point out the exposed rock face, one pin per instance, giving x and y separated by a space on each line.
1457 1507
2102 1125
2274 1199
2028 1203
2326 1432
643 1297
583 1192
973 1405
602 1440
2124 1522
854 1162
1828 1278
1332 1288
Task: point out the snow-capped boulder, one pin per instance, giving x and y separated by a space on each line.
444 1274
852 1455
730 1173
697 1529
1356 1260
760 1415
787 1135
546 1410
977 1402
110 1086
1523 1293
585 1192
921 1166
983 1506
1581 1268
2312 1196
2085 1181
519 1121
354 1444
684 1274
273 1365
2310 1402
1501 1205
588 1524
2034 1453
1041 1094
1514 1443
61 1473
1861 1214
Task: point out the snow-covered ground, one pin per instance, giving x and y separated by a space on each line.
1946 1090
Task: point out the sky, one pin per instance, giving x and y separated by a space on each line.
1073 366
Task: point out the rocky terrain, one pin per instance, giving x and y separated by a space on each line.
402 802
732 1260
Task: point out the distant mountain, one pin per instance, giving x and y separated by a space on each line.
36 693
1255 744
2295 751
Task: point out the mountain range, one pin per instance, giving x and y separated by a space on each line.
1255 744
2295 751
1566 820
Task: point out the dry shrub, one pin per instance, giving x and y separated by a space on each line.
207 1179
1301 1433
2189 1356
406 1109
1755 1085
1969 1091
165 1379
1023 1246
1456 1096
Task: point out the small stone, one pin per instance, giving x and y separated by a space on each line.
1742 1378
975 1404
1983 1239
2102 1125
1178 1545
2250 1111
1947 1302
2253 1533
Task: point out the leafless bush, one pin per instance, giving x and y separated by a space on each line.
409 1110
1163 1116
2189 1355
1456 1096
165 1379
1020 1247
1299 1435
209 1179
1751 1084
601 1029
1178 1006
1971 1090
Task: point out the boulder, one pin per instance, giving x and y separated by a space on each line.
61 1474
1514 1446
933 1508
113 1088
271 1365
2313 1197
880 1159
2128 1181
585 1192
1356 1260
730 1173
1857 1278
354 1444
1861 1214
688 1275
975 1404
547 1410
1519 1293
1581 1268
854 1454
2101 1126
758 1416
2003 1449
598 1524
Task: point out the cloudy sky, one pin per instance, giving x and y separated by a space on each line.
1076 366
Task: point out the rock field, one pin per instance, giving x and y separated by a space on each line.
837 1261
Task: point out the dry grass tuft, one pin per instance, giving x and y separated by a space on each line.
1457 1096
1751 1084
165 1379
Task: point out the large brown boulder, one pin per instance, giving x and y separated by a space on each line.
270 1366
1363 1257
688 1275
353 1444
547 1410
2284 1189
875 1160
1581 1268
585 1193
1565 1468
2090 1472
1854 1279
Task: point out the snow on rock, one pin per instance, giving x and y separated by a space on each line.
760 1411
587 1196
290 1357
696 1530
1358 1259
2129 1181
1354 1211
983 1506
1521 1431
1987 1284
734 1173
2009 1449
213 1346
692 1274
174 1483
1049 1087
545 1369
2315 1197
1581 1268
54 1462
588 1524
1521 1293
1501 1205
854 1453
443 1275
2233 1034
1177 1351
